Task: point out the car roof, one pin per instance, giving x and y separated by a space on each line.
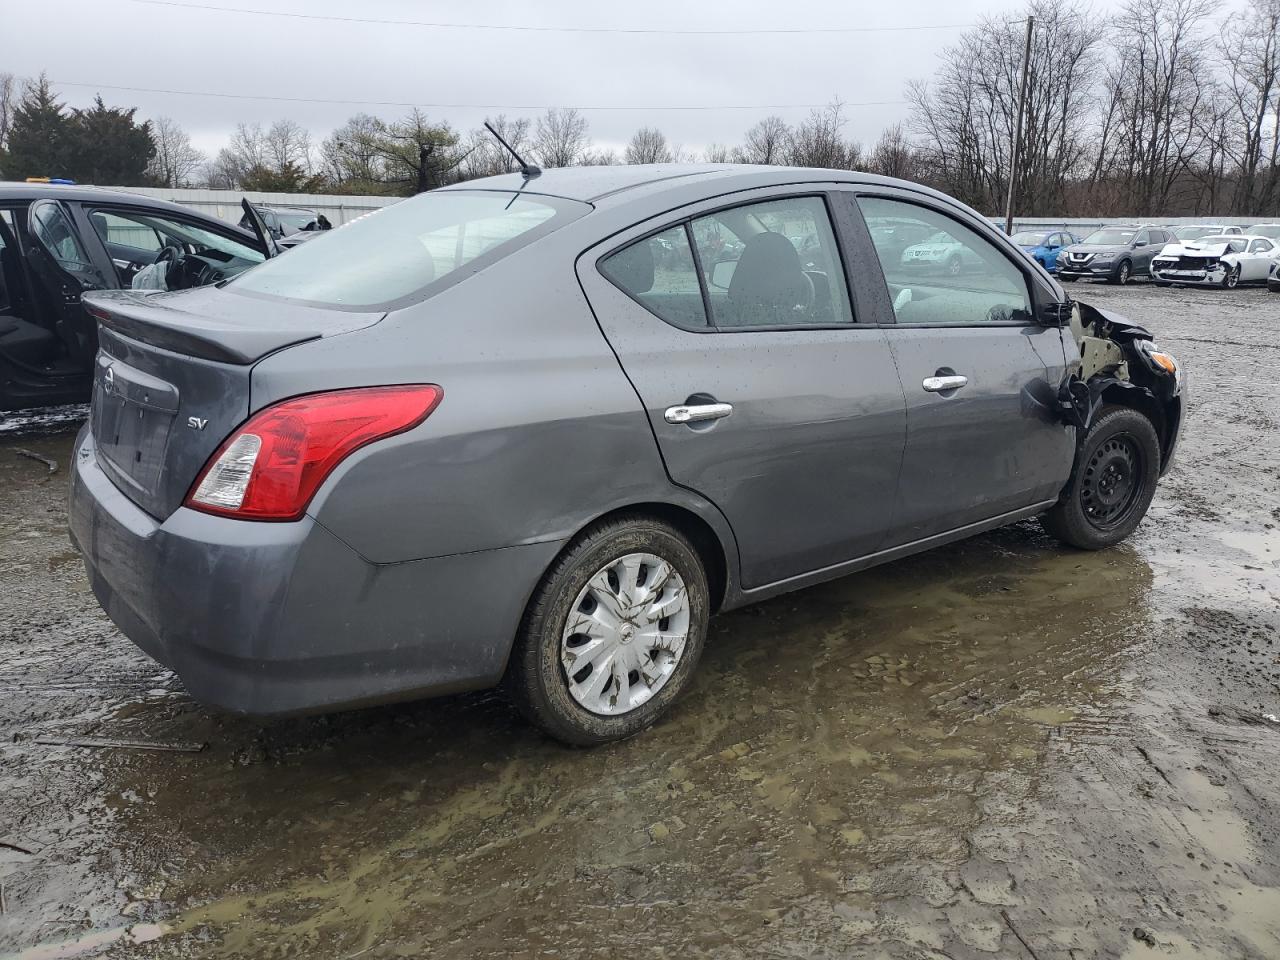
27 192
634 184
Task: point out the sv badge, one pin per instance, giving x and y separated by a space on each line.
197 423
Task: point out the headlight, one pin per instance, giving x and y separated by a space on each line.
1104 258
1162 360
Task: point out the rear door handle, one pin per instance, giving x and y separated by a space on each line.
942 384
685 413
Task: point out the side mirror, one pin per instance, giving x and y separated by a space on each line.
722 274
1139 243
1055 314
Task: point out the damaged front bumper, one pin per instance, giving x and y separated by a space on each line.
1208 272
1121 363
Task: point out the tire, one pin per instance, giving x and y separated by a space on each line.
954 266
1232 278
1121 446
1124 273
573 710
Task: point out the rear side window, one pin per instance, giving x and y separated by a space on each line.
773 264
386 258
658 273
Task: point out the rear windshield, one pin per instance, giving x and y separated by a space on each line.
389 257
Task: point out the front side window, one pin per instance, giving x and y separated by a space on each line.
658 273
772 264
147 231
953 276
1260 246
397 251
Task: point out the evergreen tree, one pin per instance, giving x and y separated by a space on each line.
38 137
106 146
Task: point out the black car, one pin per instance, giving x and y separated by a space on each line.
57 242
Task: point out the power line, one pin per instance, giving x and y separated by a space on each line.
527 28
466 106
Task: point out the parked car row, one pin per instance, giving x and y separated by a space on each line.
1196 254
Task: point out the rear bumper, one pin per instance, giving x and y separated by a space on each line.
269 618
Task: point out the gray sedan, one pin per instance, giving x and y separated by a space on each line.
536 431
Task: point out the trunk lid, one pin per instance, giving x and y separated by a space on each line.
172 379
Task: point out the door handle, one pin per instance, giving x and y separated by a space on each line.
685 413
943 384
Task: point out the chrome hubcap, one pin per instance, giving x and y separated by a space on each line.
625 634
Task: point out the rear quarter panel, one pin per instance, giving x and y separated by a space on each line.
539 431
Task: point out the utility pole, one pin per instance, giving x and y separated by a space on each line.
1016 151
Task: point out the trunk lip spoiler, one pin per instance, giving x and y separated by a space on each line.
158 320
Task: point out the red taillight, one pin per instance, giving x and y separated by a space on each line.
271 467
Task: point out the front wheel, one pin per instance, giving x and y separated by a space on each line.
1232 278
1124 273
1112 482
613 633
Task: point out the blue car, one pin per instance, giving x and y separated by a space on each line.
1043 245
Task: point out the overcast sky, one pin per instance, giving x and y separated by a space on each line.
109 44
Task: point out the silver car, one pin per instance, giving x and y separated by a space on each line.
537 431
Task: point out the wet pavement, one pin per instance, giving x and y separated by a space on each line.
1003 747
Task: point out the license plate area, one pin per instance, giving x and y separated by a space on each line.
133 414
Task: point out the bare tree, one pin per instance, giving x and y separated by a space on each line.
350 156
287 143
1157 88
717 153
766 142
818 141
603 157
965 117
560 139
9 91
648 145
895 156
176 161
1249 49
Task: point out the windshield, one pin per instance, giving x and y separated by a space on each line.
296 219
1111 238
1194 233
395 252
1029 239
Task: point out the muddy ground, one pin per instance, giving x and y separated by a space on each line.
1003 747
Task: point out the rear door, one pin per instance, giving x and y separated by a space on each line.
766 386
64 270
980 378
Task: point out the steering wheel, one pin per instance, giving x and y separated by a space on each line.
172 255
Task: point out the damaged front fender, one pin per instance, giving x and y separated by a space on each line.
1119 362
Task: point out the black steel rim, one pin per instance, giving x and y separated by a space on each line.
1113 482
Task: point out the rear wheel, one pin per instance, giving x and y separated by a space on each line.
613 633
1112 482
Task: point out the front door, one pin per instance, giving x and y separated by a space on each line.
980 378
765 393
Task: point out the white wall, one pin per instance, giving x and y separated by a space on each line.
225 204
